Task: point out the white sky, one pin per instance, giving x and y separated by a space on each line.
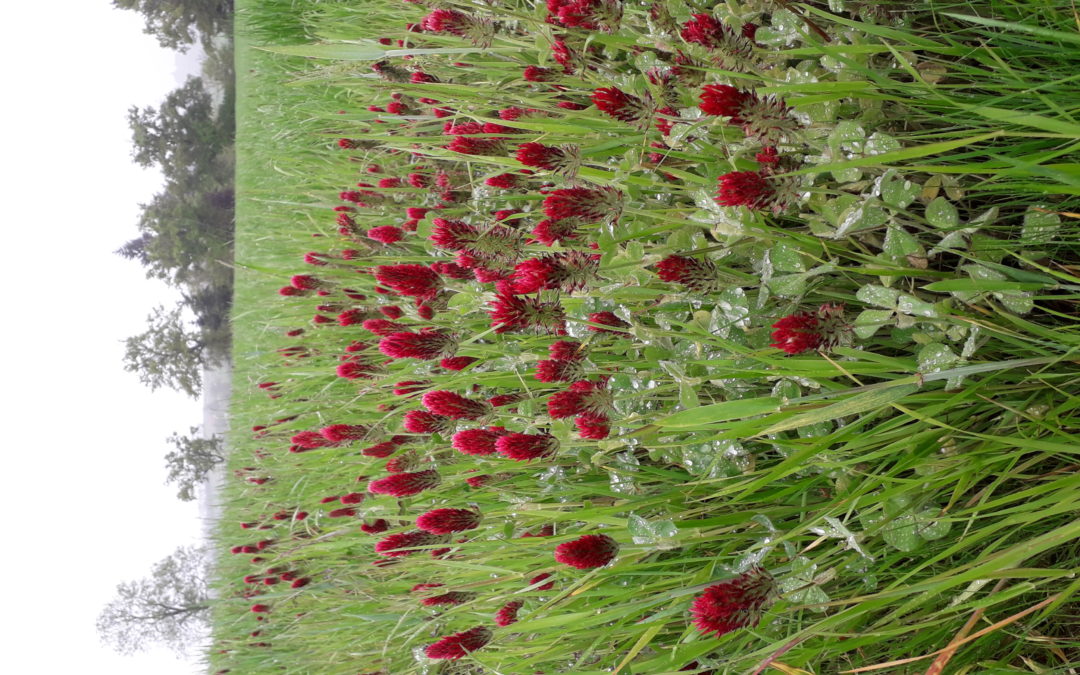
81 485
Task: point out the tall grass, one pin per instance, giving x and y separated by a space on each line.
914 492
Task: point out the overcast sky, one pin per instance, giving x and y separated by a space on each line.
82 481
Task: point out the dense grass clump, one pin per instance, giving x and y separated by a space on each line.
601 336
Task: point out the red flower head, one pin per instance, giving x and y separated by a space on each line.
351 317
405 484
448 21
732 604
458 362
568 272
381 327
451 598
346 512
727 48
513 313
766 119
462 128
477 441
590 205
423 422
725 100
353 370
499 400
341 433
624 107
752 189
306 282
526 447
384 449
592 426
587 552
538 74
391 545
541 577
590 14
424 587
559 370
566 350
379 525
478 481
506 181
387 234
452 270
566 57
697 274
448 521
427 345
453 235
352 498
309 440
507 614
582 397
550 231
259 609
412 280
455 406
807 331
403 463
607 319
548 157
391 311
409 387
704 30
471 145
459 644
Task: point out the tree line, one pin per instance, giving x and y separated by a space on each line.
185 238
185 232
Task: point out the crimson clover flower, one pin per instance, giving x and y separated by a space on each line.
733 604
391 545
459 644
808 331
405 484
587 551
448 521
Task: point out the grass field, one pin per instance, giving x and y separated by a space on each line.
770 312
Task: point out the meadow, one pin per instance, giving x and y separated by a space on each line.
622 337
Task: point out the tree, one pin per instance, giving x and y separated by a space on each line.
177 23
169 354
192 461
184 235
168 607
183 136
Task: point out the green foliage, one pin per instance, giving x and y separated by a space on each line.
167 608
192 461
168 354
177 24
183 136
